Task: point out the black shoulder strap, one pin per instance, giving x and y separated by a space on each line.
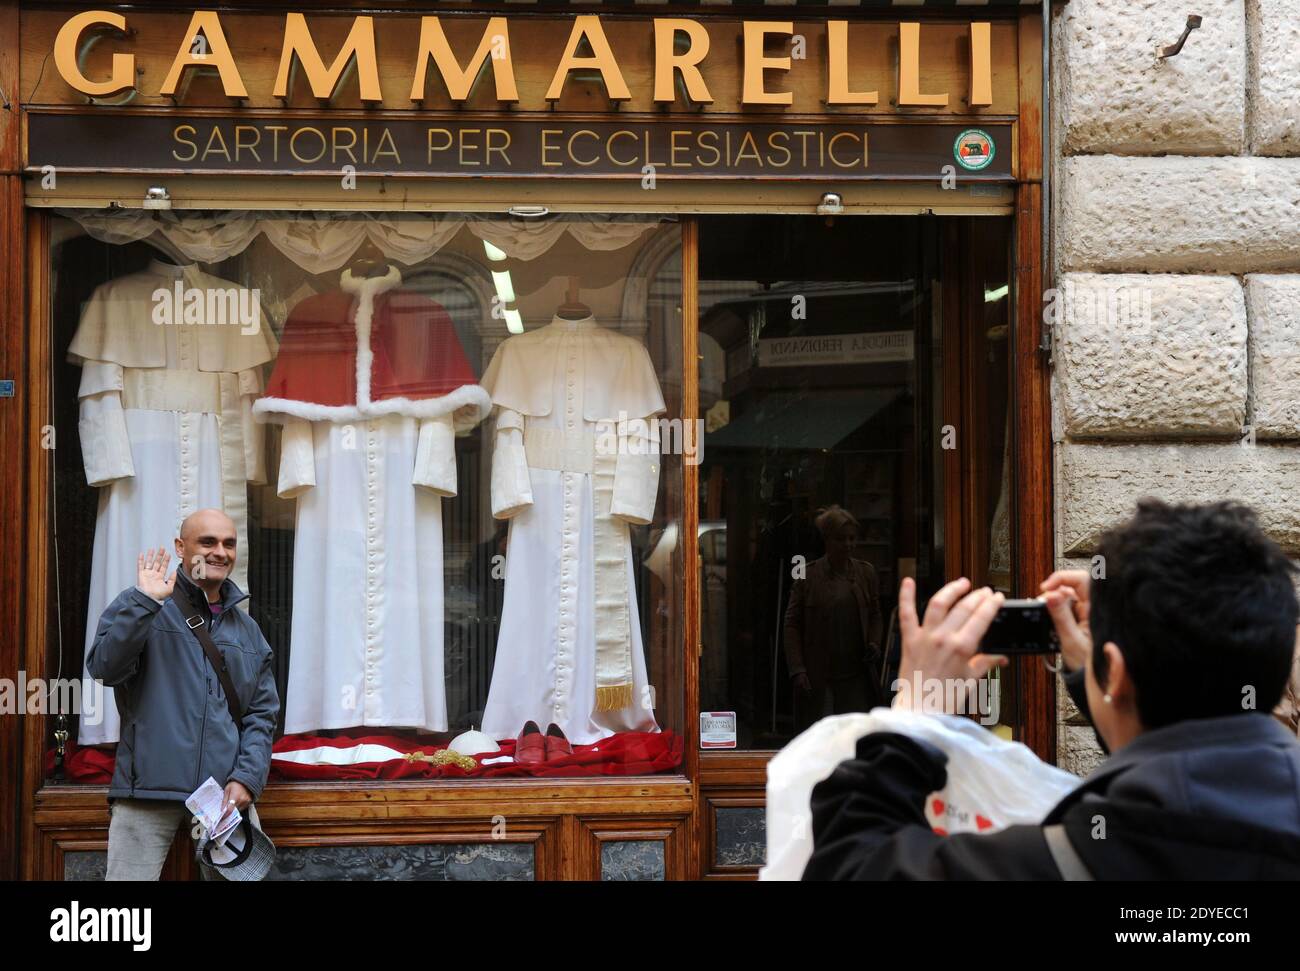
194 621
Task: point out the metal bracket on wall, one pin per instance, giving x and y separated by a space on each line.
1169 50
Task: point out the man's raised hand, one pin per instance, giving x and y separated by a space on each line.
151 574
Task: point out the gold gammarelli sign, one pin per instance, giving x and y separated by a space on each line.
682 61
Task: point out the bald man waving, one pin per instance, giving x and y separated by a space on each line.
179 725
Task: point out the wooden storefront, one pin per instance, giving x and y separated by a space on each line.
578 141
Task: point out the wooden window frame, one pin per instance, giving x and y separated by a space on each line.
56 817
38 821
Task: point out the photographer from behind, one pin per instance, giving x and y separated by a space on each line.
1185 648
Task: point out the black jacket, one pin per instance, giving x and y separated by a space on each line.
1213 798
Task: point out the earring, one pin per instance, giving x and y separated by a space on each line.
1106 698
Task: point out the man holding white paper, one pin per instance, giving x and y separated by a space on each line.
189 710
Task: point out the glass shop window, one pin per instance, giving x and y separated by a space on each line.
438 441
826 352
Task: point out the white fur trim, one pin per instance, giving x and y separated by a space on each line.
280 410
366 288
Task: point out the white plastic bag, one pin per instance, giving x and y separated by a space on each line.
992 783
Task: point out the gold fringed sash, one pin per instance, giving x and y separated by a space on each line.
444 756
613 628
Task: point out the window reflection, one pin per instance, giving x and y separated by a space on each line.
825 358
421 415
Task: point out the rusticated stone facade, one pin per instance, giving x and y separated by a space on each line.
1176 363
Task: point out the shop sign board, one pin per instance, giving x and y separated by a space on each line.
586 95
468 146
865 348
685 59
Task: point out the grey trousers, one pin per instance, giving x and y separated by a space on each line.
140 833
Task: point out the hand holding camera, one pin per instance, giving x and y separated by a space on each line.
968 633
1066 594
946 647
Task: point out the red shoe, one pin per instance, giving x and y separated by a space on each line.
557 746
530 747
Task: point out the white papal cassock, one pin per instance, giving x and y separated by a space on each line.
371 386
570 479
165 425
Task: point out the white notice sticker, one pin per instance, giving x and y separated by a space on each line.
717 729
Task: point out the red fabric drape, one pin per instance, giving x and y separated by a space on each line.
627 753
92 766
624 754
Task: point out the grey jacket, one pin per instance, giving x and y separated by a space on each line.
176 726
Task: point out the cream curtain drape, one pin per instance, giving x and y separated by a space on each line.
321 242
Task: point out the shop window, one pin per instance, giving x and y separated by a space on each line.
988 528
853 382
439 439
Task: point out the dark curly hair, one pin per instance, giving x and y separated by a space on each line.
1201 604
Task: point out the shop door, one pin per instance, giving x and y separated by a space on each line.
854 380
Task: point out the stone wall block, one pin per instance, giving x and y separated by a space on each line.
1098 485
1149 356
1273 307
1077 750
1273 94
1116 96
1178 214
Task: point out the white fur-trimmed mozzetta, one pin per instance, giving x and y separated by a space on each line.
279 410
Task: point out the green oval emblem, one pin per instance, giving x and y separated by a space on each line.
974 149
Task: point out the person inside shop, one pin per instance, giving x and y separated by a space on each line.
177 726
1185 648
833 627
